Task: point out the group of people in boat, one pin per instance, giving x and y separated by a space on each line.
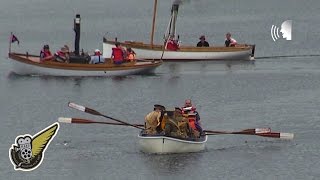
182 122
119 55
229 42
173 44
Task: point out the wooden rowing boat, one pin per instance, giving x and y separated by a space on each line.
184 53
160 144
25 64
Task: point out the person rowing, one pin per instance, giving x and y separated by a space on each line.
153 120
193 116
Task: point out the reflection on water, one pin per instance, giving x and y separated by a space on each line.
171 163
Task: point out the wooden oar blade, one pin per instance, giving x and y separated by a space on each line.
277 135
87 121
245 131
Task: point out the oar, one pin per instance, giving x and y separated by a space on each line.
265 132
94 112
87 121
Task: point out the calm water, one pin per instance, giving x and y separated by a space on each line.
278 92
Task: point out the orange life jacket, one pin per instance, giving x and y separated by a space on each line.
192 121
131 56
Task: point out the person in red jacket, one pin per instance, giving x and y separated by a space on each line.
172 44
188 109
45 54
117 56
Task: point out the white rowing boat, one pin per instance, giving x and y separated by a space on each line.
164 145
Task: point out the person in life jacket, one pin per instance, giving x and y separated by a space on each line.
118 55
153 120
97 58
194 118
45 54
131 55
172 44
62 55
177 125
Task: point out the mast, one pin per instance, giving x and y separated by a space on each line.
76 28
174 12
153 20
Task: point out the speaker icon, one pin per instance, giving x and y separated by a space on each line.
274 32
286 30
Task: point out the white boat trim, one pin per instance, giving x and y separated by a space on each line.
165 145
187 54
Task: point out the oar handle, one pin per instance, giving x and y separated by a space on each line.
94 112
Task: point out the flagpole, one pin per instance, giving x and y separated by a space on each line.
10 39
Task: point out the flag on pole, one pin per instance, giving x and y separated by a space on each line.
13 39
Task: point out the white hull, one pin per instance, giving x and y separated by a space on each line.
165 145
29 69
184 55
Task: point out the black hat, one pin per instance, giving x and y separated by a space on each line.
158 106
46 46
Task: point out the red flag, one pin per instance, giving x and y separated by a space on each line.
14 39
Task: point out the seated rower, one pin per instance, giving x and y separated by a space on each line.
117 56
194 118
177 125
153 120
97 58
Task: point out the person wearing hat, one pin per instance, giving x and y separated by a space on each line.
230 42
62 55
202 42
45 54
97 58
153 119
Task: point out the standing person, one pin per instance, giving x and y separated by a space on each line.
45 54
172 44
97 57
230 42
117 55
202 42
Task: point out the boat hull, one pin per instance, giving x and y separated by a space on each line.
23 67
186 53
166 145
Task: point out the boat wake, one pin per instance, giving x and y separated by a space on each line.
288 56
